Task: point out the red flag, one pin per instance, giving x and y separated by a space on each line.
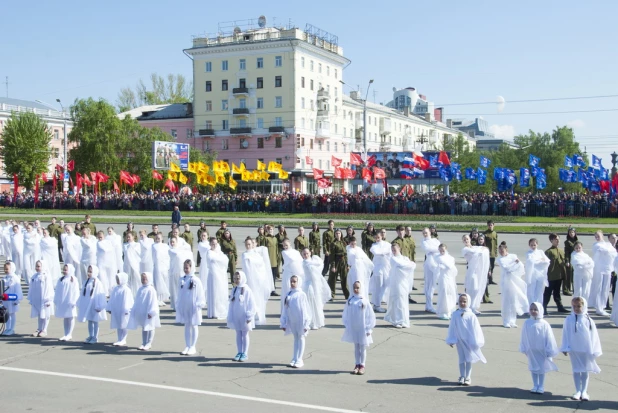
338 173
443 159
367 174
318 173
349 173
59 168
615 182
379 173
116 189
94 176
604 185
169 184
421 162
308 160
156 175
86 180
71 165
36 190
335 161
101 177
54 185
324 183
136 179
355 159
15 187
44 177
371 161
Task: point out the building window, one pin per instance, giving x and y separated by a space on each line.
208 124
243 64
224 105
302 123
260 143
279 160
56 134
302 82
209 106
319 67
242 123
278 81
310 143
345 131
242 82
335 73
311 84
302 104
336 92
327 146
209 66
224 144
224 125
302 62
224 65
243 103
260 123
174 133
208 86
189 133
311 65
327 165
335 147
327 70
278 101
224 84
260 62
369 120
311 104
278 142
320 163
278 61
260 82
278 121
345 148
260 103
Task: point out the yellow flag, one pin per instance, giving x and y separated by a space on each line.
283 174
182 178
216 166
172 176
257 176
261 166
233 184
265 176
202 168
247 176
210 180
220 179
242 167
191 167
174 167
225 167
235 169
274 167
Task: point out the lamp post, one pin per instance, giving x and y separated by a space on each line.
65 184
365 117
614 162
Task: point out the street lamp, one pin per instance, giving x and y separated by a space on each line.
614 156
365 117
64 118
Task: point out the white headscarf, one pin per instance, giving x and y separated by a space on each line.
95 271
70 271
243 278
469 302
150 277
539 307
123 278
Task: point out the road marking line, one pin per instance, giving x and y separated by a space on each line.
132 365
22 355
179 389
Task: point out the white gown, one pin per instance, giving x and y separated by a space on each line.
317 290
89 255
538 344
614 316
17 252
12 283
106 257
295 317
464 331
92 300
430 269
378 285
116 241
292 265
217 298
190 300
146 304
146 263
360 269
447 285
583 268
41 294
512 288
131 264
161 270
120 303
72 254
358 320
67 294
476 273
178 257
256 265
241 307
49 254
32 253
203 247
400 281
581 340
537 264
604 254
6 242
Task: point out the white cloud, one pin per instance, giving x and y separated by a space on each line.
502 131
576 123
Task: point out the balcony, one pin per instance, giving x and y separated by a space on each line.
206 132
240 131
276 129
240 91
385 147
385 126
241 111
323 95
322 133
322 113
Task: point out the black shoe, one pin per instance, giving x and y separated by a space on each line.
487 302
411 301
566 293
274 294
563 310
608 308
492 283
414 289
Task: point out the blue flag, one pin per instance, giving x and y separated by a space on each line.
568 162
510 177
524 177
541 182
596 162
533 160
579 161
481 176
485 162
456 174
433 161
594 186
470 173
499 174
445 174
604 175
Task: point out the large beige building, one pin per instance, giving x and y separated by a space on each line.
270 93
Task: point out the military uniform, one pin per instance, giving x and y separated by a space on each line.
368 241
152 235
124 235
491 242
188 237
567 285
555 275
55 231
228 247
409 240
280 237
91 227
270 242
314 242
301 242
338 267
328 237
260 240
347 239
403 246
219 234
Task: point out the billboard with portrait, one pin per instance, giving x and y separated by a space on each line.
397 165
166 153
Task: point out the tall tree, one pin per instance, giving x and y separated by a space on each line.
169 89
24 146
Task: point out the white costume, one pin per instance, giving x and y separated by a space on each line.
217 289
537 264
12 283
378 286
513 289
91 305
49 253
120 304
583 268
256 266
241 314
146 263
189 306
72 254
178 257
430 267
476 274
604 254
539 345
581 340
360 269
17 251
317 290
6 242
292 265
116 241
145 312
32 253
106 257
161 268
65 301
400 282
295 319
203 247
131 264
41 297
447 285
359 321
89 256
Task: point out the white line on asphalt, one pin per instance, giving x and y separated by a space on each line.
132 365
180 389
23 355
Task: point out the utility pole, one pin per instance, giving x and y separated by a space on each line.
6 84
422 140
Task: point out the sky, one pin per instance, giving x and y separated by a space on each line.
451 51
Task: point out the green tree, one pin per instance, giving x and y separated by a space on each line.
24 146
173 89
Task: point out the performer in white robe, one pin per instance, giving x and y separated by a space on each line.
476 272
12 283
539 345
361 268
316 288
106 257
91 304
41 298
447 284
89 253
203 246
430 268
580 340
119 305
177 258
7 229
464 331
378 284
72 252
17 250
295 319
292 265
256 266
512 287
217 290
145 312
400 282
132 261
161 268
116 241
32 253
146 263
241 314
603 254
583 269
359 320
189 306
537 264
65 300
614 317
49 254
